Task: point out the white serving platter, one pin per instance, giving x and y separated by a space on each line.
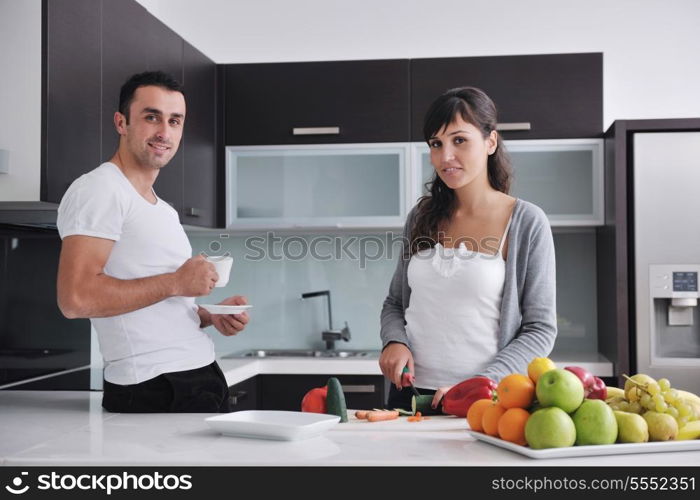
586 451
224 309
276 425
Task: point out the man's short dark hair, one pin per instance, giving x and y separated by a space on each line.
147 78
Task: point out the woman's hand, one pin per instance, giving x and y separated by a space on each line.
439 394
392 361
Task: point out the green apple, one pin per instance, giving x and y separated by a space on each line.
560 388
595 423
550 428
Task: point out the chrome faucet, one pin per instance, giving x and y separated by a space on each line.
329 336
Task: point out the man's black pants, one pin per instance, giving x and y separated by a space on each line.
202 390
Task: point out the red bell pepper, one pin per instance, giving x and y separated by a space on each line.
460 397
315 400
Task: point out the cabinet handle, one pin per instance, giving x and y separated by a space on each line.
364 389
238 396
316 131
514 126
193 212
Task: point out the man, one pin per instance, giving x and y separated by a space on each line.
127 264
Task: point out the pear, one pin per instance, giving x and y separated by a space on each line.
662 426
631 428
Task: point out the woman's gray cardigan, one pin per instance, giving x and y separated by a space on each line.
528 325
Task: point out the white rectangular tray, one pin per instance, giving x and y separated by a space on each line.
585 451
269 424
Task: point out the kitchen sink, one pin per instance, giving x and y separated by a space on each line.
301 353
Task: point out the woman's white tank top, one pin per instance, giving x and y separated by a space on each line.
453 316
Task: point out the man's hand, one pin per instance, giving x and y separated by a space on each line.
231 324
392 361
196 277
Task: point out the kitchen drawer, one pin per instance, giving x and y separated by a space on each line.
287 103
558 95
285 392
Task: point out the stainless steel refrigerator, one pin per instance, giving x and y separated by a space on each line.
664 265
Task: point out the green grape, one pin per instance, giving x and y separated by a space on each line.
658 399
664 384
673 412
623 406
682 421
645 400
634 407
653 388
683 410
661 407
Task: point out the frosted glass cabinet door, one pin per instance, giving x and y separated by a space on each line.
316 186
564 177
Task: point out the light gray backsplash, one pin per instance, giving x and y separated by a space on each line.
280 319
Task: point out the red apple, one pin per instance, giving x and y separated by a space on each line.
584 376
599 390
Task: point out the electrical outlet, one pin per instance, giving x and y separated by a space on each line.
4 161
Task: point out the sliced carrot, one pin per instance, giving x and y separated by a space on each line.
377 416
361 414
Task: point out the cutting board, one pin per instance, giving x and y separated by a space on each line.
432 424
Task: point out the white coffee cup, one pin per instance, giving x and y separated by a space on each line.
222 264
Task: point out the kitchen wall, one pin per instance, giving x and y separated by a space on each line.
650 46
280 319
20 98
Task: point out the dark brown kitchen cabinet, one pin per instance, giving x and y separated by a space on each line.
199 155
71 93
134 41
285 392
559 95
317 102
244 395
90 48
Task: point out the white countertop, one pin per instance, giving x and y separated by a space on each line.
70 428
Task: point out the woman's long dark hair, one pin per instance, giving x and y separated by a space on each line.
434 209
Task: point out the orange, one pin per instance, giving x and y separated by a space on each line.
511 426
538 366
516 391
490 418
476 412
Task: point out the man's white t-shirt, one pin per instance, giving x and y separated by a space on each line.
149 240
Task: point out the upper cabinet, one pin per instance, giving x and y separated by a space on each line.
564 177
71 94
116 39
320 186
537 96
317 102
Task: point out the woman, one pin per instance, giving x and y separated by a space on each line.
474 293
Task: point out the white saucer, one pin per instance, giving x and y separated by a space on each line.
269 424
224 309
